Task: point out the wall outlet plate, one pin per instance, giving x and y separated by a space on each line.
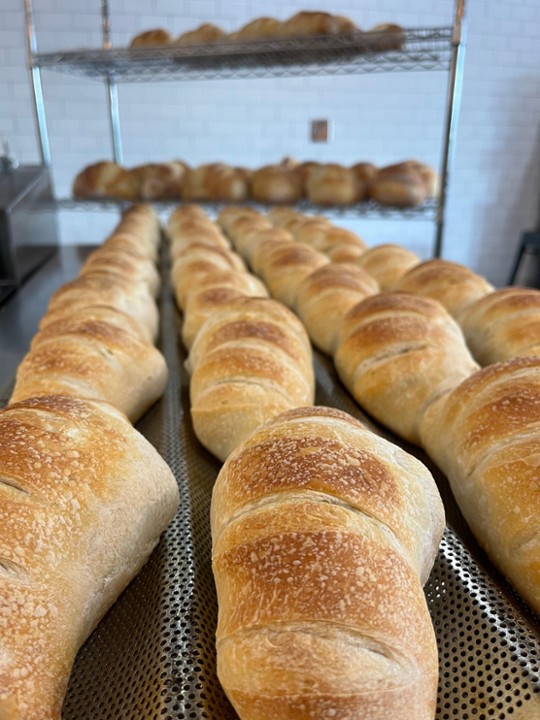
320 131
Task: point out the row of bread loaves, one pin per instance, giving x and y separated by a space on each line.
303 24
404 184
83 496
249 357
312 558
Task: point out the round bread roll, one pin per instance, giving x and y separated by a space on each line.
275 184
316 23
365 173
324 298
332 185
212 290
244 225
228 216
215 182
400 185
389 36
160 181
399 353
250 361
502 325
151 38
451 284
258 29
387 263
254 244
204 34
106 179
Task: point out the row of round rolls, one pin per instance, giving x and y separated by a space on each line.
387 36
405 360
272 473
84 478
96 338
249 356
406 184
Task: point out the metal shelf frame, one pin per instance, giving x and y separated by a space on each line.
421 49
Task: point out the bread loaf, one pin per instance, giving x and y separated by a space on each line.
332 185
79 518
275 184
397 354
142 223
324 298
215 182
387 264
99 289
451 284
258 29
93 359
204 34
196 260
211 291
151 38
485 437
123 265
161 181
503 325
316 23
400 185
106 179
388 36
322 535
255 242
250 361
284 267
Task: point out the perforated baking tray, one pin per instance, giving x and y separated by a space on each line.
153 655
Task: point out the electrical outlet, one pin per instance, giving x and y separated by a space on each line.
320 131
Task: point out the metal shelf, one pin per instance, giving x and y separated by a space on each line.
422 49
368 209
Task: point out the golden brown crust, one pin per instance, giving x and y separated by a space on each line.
106 179
151 38
316 23
204 34
263 27
250 360
397 354
215 181
93 359
485 438
313 583
332 185
324 298
275 184
387 264
451 284
77 524
400 185
503 325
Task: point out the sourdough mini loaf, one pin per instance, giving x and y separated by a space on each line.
485 437
93 359
387 264
79 517
397 354
503 325
324 298
323 534
451 284
250 361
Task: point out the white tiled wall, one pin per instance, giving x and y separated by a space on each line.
495 186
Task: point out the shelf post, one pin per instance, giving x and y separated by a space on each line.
112 88
37 89
453 103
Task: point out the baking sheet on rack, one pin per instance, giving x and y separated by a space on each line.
153 654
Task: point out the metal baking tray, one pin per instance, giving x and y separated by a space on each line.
153 657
